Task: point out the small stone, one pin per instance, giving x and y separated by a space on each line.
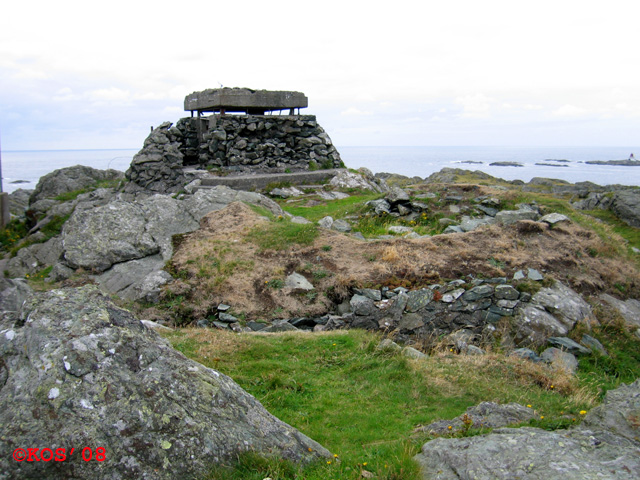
413 354
388 344
535 275
519 275
553 218
225 317
297 281
325 222
341 226
223 308
399 229
453 295
568 345
560 359
419 299
371 293
593 344
361 305
527 354
506 292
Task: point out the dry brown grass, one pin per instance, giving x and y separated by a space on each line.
569 253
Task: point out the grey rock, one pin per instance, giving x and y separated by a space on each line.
445 222
560 359
506 292
81 368
553 218
388 344
418 299
347 180
476 293
490 211
410 322
218 197
483 415
413 354
593 344
453 229
400 230
604 445
58 273
629 309
136 279
286 192
279 326
226 317
397 195
467 349
332 195
325 222
453 295
626 205
469 224
373 294
13 293
568 345
361 305
527 354
509 217
380 206
297 281
533 274
300 220
98 238
565 304
341 226
19 201
256 326
519 275
70 179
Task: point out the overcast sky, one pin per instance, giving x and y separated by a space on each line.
79 74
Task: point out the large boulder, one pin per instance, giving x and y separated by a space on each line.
605 445
79 373
70 179
552 312
626 205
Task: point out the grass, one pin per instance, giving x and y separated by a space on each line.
282 234
352 205
363 404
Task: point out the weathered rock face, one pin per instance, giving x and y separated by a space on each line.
626 205
605 445
70 179
240 143
78 372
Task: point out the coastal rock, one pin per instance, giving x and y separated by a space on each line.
98 238
13 293
19 201
70 179
552 312
604 445
483 415
626 205
629 309
83 373
509 217
363 180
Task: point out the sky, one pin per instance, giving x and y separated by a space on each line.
94 75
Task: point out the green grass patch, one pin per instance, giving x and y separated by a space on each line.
282 234
364 404
11 235
352 205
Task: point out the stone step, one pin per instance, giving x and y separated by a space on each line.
260 181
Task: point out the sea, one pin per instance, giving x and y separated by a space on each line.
22 169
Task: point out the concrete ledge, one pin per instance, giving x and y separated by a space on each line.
258 182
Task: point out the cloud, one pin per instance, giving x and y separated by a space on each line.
477 105
355 112
570 111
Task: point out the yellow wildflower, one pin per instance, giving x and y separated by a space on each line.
583 412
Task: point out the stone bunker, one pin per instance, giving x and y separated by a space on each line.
254 140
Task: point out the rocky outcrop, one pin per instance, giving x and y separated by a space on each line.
364 180
71 179
79 373
604 445
484 415
626 205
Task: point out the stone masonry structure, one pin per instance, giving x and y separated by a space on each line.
252 142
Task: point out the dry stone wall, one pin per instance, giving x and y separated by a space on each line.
231 144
